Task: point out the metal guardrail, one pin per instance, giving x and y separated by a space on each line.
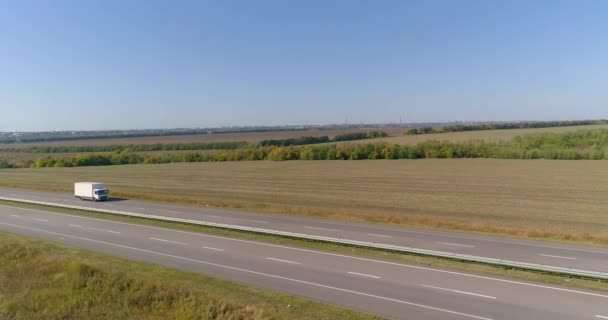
433 253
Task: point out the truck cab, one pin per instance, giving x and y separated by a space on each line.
100 194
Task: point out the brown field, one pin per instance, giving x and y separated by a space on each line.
252 137
551 199
487 135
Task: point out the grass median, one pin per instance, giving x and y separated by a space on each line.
41 280
443 263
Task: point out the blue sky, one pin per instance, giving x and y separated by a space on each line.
148 64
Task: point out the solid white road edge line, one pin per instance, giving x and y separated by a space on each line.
169 241
281 260
255 272
456 244
557 257
324 253
364 275
458 291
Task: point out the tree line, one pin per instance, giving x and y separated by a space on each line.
323 139
193 146
592 144
501 126
132 147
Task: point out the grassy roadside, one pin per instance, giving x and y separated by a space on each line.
343 249
41 280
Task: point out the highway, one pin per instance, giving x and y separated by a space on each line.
388 289
546 253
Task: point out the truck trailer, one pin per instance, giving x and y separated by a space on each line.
94 191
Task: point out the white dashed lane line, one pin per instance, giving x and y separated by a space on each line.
363 275
281 260
317 228
459 291
38 219
456 244
169 241
557 257
96 229
378 235
214 249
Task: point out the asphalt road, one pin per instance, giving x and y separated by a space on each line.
547 253
388 289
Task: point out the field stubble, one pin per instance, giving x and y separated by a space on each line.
548 199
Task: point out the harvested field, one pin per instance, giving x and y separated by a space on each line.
252 137
548 199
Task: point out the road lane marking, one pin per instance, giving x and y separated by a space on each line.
138 208
258 221
456 244
401 230
218 217
214 249
317 228
257 273
91 228
110 231
378 235
458 291
601 317
323 253
364 275
38 219
174 212
557 257
169 241
14 215
281 260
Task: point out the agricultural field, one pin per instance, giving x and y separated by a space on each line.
252 137
545 199
473 136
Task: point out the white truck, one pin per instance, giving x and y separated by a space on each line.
91 191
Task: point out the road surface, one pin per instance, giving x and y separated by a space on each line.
546 253
388 289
